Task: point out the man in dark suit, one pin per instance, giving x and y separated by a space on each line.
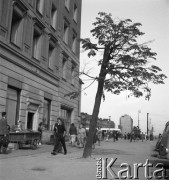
60 132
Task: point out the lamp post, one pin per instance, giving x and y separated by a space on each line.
147 123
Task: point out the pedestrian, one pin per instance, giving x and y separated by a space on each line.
95 138
40 129
81 135
4 134
73 134
99 134
59 134
125 136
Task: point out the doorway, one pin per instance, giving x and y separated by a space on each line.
30 120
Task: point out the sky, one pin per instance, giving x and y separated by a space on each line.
154 17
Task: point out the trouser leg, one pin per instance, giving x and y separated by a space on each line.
56 145
62 140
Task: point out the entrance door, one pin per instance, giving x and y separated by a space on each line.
30 120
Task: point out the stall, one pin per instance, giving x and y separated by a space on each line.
25 137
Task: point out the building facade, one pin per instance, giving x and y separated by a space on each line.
39 61
126 124
101 123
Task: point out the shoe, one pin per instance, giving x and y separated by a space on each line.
65 153
53 153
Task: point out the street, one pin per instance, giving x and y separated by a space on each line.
41 165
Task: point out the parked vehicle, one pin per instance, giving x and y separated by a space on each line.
163 143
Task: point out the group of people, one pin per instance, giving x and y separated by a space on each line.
78 135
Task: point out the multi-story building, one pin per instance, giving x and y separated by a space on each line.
39 61
126 124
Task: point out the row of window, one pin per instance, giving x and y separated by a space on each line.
12 109
38 37
53 12
67 5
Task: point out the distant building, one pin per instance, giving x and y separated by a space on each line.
39 61
126 124
102 123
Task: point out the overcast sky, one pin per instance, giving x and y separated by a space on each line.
154 17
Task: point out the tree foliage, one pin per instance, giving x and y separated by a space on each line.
125 64
127 67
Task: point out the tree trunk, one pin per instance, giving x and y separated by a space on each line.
93 123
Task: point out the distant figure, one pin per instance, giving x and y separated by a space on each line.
95 138
40 129
142 136
99 134
81 135
125 136
103 134
73 134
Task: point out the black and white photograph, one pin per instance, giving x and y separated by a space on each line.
84 89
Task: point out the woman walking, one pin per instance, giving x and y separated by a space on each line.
81 136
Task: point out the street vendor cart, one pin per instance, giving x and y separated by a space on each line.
25 137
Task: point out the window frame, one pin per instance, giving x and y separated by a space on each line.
66 32
67 5
40 6
74 43
75 13
53 16
18 92
16 29
37 39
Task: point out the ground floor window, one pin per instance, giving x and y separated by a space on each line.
46 113
66 115
12 105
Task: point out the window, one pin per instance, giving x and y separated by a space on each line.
53 16
65 33
74 41
40 6
75 13
46 113
12 105
67 4
16 27
73 73
51 55
64 68
36 43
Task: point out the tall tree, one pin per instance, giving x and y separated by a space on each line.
125 64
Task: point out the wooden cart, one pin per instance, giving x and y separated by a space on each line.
25 138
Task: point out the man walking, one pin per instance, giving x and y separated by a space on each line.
60 133
73 134
3 133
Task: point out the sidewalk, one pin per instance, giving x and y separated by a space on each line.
41 165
